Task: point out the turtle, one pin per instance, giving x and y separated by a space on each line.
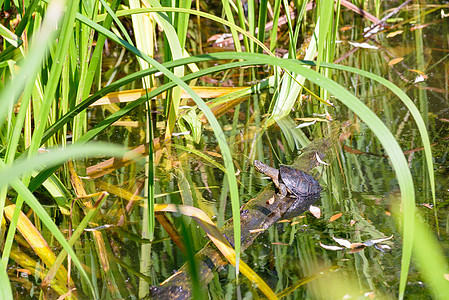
290 181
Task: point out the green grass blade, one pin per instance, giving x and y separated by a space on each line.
54 158
117 21
290 90
183 22
5 291
150 187
262 22
431 260
197 288
9 36
325 10
274 30
176 52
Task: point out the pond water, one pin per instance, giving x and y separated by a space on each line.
359 193
359 187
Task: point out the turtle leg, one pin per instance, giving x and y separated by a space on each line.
276 182
282 190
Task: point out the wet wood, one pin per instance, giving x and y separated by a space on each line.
256 214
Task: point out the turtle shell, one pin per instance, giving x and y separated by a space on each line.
298 182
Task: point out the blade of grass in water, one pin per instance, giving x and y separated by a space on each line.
151 221
9 174
34 238
197 288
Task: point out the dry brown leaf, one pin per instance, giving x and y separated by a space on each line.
311 119
26 271
270 201
429 206
395 61
335 217
419 27
357 247
346 27
132 95
132 124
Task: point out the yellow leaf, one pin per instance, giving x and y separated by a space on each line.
335 217
394 33
417 71
35 239
346 27
395 61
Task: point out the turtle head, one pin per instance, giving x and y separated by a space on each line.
259 166
266 169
